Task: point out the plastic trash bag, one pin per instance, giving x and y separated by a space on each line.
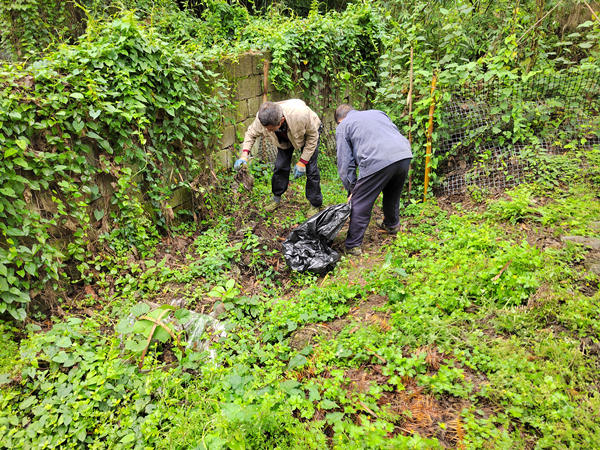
307 247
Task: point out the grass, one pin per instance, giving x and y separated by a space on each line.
470 329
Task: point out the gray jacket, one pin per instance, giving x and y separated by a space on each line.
370 141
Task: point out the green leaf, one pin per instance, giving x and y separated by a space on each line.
334 417
297 361
31 268
135 345
67 418
289 386
76 95
586 24
161 334
98 214
128 439
158 312
78 125
328 404
313 394
22 143
28 402
93 135
182 314
10 151
18 314
82 434
139 309
9 192
124 326
143 327
64 342
61 357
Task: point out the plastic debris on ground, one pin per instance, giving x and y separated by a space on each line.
307 248
196 324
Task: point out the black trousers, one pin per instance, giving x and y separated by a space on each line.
388 180
281 175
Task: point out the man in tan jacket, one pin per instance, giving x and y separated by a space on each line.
289 124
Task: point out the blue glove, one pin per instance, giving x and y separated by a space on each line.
239 163
299 170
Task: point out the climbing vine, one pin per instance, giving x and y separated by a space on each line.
339 50
87 133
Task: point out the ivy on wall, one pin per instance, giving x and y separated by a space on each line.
84 132
340 50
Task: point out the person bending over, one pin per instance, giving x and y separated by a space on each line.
369 141
289 124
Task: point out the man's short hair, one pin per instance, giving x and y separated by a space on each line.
270 113
341 112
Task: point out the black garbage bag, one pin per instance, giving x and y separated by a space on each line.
307 247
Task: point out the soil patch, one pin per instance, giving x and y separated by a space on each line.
363 313
416 411
588 287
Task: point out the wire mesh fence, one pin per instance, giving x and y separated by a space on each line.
555 107
479 119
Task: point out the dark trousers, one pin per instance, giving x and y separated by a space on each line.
281 176
388 180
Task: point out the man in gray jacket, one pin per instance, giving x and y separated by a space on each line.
289 124
369 141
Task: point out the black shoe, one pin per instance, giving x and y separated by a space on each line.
387 228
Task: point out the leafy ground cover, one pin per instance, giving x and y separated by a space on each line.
477 326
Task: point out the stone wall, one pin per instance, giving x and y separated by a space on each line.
248 76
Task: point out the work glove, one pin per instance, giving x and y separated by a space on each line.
242 161
299 170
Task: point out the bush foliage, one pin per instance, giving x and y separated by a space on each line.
87 131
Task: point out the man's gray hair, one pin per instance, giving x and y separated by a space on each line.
342 111
270 113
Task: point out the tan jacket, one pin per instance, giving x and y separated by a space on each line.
303 128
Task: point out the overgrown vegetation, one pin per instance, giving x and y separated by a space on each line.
129 322
82 131
463 330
